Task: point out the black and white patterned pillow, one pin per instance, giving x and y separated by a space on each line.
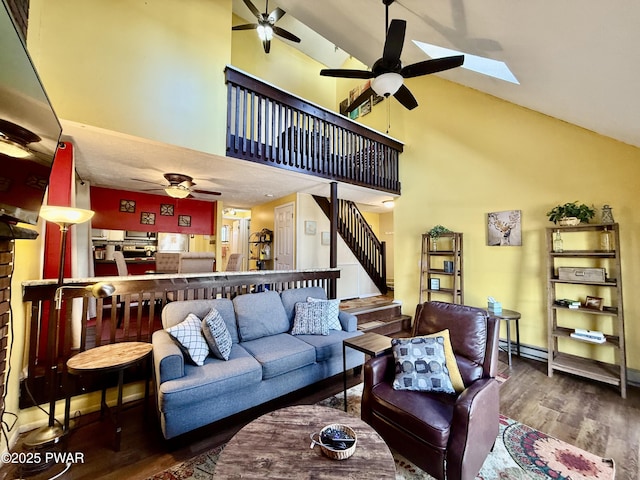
310 319
421 365
332 310
188 334
217 335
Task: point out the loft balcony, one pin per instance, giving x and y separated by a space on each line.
269 126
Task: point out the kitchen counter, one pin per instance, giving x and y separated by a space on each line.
133 260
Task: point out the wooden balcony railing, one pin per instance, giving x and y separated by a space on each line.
272 127
118 318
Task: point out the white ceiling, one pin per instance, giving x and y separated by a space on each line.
575 60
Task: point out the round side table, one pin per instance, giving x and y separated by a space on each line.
510 316
115 357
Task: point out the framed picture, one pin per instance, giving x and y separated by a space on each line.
148 218
309 227
434 284
184 220
595 303
504 228
325 238
127 206
166 209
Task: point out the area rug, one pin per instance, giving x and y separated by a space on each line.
521 452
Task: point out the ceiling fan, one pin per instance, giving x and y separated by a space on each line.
388 73
265 25
180 186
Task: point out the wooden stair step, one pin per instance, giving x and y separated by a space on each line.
376 312
390 326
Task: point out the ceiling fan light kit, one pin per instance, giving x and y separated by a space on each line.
177 191
387 84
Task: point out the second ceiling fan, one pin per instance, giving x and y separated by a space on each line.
387 72
266 25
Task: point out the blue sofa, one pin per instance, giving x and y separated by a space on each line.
266 361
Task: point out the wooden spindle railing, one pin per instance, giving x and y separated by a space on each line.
270 126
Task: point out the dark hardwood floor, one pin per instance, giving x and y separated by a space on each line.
589 415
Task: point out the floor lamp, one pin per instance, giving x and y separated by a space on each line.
64 217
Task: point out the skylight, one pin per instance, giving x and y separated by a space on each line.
486 66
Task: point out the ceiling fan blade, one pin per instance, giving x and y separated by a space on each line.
247 26
346 73
432 66
284 34
206 192
152 189
253 8
368 93
147 181
394 42
276 15
406 98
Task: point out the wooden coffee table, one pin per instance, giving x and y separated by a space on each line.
276 445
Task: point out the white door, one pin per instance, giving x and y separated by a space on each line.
284 237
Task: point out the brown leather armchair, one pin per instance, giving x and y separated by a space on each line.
448 436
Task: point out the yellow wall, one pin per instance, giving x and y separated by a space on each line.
150 69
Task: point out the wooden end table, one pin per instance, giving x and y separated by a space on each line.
276 445
510 316
115 357
370 343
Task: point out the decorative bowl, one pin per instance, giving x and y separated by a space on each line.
569 221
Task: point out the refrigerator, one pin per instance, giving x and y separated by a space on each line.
173 242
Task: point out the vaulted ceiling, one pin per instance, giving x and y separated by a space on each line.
574 60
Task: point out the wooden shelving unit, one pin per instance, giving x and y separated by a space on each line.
562 320
448 247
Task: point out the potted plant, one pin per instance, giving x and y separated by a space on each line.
571 213
435 233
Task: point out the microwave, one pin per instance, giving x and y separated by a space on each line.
134 235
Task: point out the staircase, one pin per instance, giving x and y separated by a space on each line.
379 314
359 237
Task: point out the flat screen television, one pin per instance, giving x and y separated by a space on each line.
28 122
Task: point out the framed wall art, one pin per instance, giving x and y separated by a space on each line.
148 218
166 210
127 206
504 228
184 220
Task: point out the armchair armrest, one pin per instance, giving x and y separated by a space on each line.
377 369
474 427
348 321
168 361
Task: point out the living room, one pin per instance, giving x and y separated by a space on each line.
466 153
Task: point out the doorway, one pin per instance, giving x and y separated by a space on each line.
284 237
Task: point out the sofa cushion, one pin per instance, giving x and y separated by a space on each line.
279 354
215 377
310 319
331 311
421 365
188 334
174 312
328 346
260 315
295 295
217 335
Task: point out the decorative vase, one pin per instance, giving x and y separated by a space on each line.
434 244
569 221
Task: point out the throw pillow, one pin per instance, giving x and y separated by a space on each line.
310 319
421 365
188 334
332 310
452 364
217 335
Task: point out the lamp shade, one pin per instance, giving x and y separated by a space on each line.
177 191
387 84
65 215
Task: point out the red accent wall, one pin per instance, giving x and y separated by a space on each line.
106 203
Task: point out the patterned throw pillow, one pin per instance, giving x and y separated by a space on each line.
188 334
217 335
310 319
420 365
332 310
